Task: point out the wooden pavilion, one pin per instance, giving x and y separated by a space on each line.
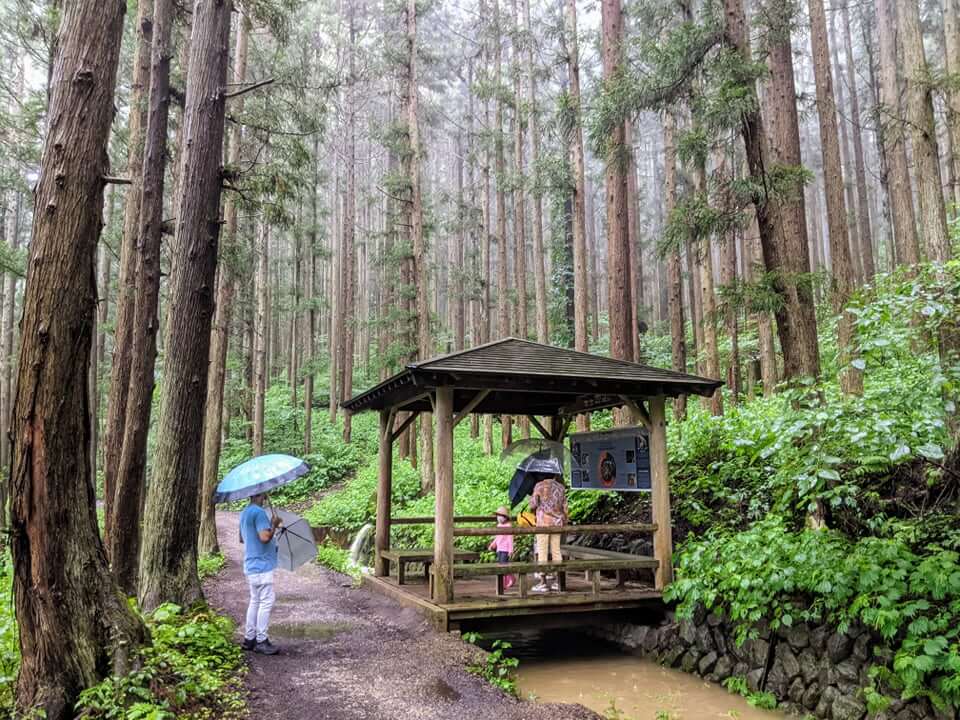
550 386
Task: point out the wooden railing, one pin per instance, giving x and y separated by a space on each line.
431 520
555 530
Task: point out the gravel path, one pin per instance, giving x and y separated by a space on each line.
349 654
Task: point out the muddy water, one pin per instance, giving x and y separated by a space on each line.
576 669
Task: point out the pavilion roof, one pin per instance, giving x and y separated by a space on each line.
528 378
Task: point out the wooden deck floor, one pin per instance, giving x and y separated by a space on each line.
475 600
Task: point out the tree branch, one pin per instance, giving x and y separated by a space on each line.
249 88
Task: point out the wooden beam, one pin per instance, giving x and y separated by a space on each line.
639 412
432 520
443 496
660 492
419 397
407 422
555 530
384 491
470 406
540 428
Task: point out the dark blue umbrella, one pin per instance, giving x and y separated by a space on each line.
259 475
530 471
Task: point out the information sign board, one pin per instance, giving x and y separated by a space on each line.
617 459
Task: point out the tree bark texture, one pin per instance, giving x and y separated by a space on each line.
227 281
168 570
617 163
421 273
891 122
580 280
124 541
261 368
75 624
678 343
923 133
863 204
785 245
539 272
842 267
126 283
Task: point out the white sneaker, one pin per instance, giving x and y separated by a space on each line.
539 588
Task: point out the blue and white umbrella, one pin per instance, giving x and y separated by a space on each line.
259 475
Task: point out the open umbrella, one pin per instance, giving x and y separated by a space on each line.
531 470
259 475
523 451
295 543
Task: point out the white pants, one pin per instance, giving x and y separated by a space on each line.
261 603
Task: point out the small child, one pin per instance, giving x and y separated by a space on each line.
503 544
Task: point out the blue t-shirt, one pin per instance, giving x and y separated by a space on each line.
258 557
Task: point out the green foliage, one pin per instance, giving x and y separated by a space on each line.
330 460
9 638
738 684
806 444
499 669
336 558
768 572
209 565
191 670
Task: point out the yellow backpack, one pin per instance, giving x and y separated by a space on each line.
526 519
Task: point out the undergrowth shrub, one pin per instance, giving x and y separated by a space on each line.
191 670
774 574
330 459
9 639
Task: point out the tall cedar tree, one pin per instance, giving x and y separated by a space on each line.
617 163
926 154
895 149
168 570
539 273
678 344
863 204
785 250
842 276
124 541
951 34
227 280
421 274
123 323
75 624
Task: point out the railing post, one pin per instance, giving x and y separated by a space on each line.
443 494
381 566
660 481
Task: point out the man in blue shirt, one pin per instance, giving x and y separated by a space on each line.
259 561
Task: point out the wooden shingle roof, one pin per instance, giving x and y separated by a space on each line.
525 377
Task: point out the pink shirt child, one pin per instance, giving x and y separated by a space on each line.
502 543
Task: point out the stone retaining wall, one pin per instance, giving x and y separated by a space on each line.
811 670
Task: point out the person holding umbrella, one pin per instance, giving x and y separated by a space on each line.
259 561
549 501
266 544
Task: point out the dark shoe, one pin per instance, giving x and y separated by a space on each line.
266 648
249 644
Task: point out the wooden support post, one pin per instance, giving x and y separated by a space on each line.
443 493
660 480
384 489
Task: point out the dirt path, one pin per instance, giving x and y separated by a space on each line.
348 654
